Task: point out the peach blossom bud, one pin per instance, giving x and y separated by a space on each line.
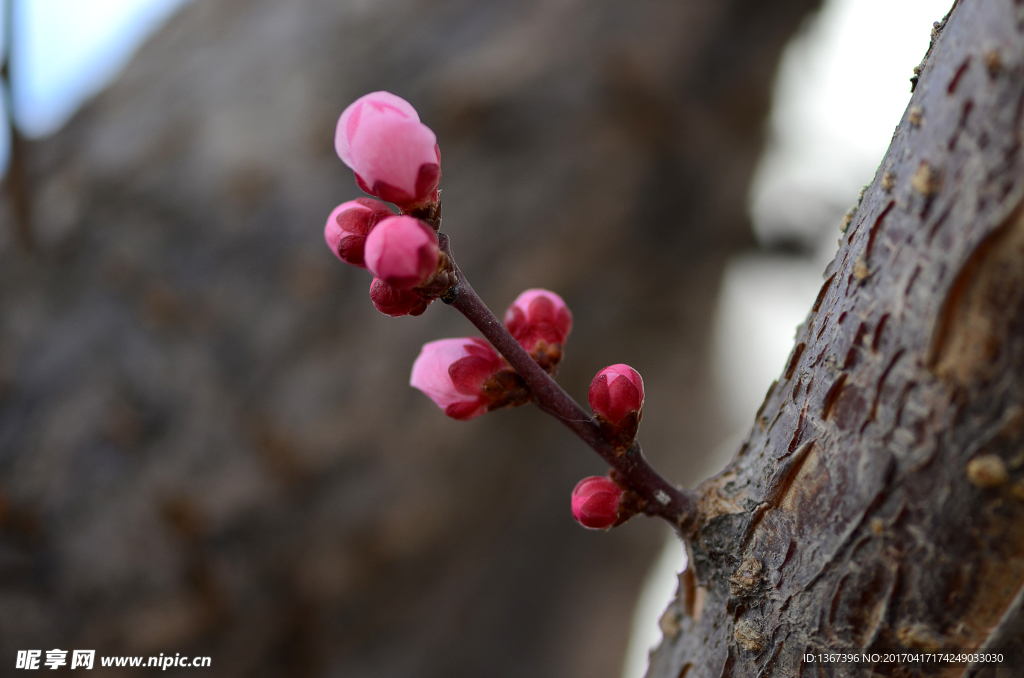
348 226
616 391
394 156
454 372
395 302
540 321
617 399
595 502
402 251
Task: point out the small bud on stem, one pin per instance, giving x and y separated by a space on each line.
540 321
395 302
617 399
348 226
402 251
395 157
595 503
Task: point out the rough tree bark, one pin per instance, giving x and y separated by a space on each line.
878 501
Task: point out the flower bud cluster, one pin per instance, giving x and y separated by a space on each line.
395 157
617 399
467 377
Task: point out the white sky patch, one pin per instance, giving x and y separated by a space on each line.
762 301
65 51
658 589
5 127
842 87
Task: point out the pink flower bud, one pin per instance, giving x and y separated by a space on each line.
348 226
616 391
617 399
394 156
395 302
454 372
595 502
402 251
540 321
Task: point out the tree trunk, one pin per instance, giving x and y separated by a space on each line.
878 502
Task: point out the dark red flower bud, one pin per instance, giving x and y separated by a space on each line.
395 302
540 321
595 502
617 399
348 226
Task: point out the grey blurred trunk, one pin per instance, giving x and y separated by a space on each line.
878 502
208 444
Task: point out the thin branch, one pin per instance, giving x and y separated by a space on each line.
677 506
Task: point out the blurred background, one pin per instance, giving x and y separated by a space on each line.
207 441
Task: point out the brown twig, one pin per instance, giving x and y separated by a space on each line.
660 498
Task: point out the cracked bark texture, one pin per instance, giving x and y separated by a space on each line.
878 501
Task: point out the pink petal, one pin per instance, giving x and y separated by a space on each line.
390 149
430 371
347 226
537 315
348 123
402 251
